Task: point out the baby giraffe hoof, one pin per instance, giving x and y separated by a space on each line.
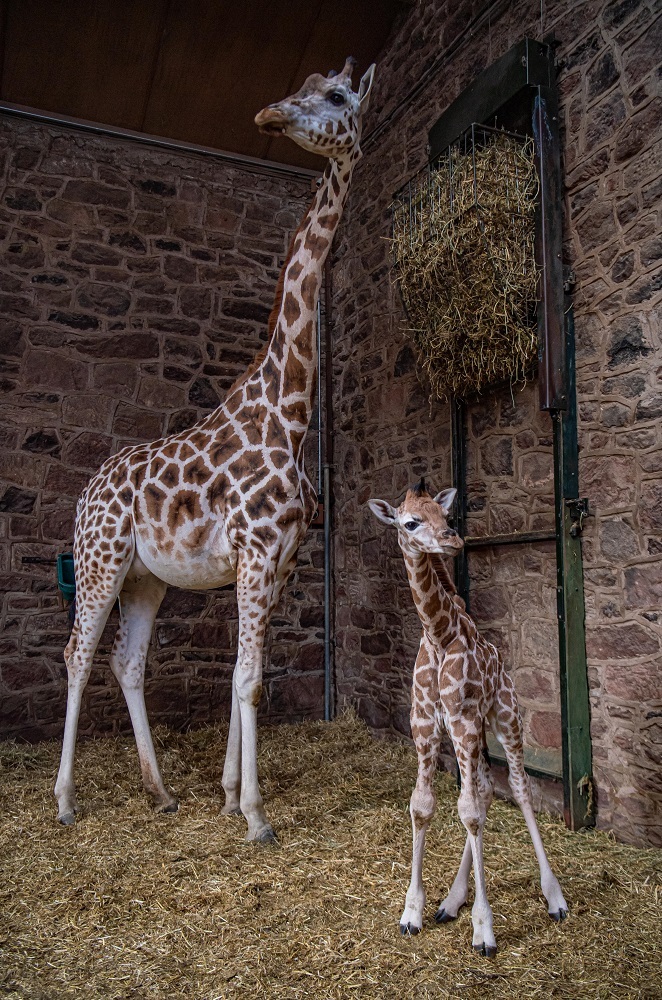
488 950
67 818
231 811
442 916
559 915
409 929
169 807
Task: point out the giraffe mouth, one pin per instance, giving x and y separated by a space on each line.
271 128
271 121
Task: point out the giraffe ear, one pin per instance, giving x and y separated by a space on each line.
445 499
365 87
383 511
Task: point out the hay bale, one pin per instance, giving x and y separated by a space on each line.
131 905
463 249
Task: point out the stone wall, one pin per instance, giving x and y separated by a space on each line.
388 434
135 285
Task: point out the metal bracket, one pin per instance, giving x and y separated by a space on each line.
578 507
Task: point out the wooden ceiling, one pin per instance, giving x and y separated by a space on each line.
193 70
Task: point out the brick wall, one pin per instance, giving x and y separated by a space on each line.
135 285
388 433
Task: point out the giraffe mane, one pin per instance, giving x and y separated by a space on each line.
273 318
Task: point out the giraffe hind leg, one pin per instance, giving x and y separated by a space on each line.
140 600
91 617
507 728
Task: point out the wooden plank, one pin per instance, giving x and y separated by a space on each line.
220 63
88 60
538 761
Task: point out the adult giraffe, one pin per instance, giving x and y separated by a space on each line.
227 500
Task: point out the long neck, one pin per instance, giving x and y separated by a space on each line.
293 346
288 366
428 580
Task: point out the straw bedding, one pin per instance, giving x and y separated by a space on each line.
463 249
129 904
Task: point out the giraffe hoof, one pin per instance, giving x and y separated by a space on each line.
265 836
67 818
442 916
488 950
231 811
169 807
409 930
559 915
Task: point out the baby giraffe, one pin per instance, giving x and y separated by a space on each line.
460 683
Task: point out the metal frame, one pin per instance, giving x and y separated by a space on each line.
519 93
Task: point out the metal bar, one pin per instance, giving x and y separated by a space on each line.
329 700
538 762
525 65
549 241
82 125
517 538
578 796
459 474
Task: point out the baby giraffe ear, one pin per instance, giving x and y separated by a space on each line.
445 499
365 87
383 511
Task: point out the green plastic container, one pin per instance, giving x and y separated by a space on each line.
66 578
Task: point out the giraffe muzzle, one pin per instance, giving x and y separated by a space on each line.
271 121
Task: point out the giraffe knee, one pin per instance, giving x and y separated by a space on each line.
470 813
422 804
249 690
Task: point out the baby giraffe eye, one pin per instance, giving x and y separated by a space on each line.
336 98
412 525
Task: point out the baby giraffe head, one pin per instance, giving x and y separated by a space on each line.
422 521
324 116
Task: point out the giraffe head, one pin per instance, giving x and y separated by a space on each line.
422 521
324 116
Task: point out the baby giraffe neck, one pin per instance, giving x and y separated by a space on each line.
434 603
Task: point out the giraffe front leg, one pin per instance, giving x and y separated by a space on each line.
255 587
472 811
457 896
421 807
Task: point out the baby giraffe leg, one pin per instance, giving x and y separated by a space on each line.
471 807
457 897
510 737
422 806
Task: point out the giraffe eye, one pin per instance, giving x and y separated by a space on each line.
412 525
336 98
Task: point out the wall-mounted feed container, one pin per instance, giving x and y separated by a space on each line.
66 579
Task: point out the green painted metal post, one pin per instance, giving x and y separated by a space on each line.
578 800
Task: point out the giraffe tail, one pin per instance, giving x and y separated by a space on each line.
71 614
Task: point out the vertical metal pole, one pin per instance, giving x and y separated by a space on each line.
459 474
326 487
578 801
558 394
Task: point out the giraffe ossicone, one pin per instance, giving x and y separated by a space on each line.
460 684
227 500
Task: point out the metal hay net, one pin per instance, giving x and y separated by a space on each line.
463 250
